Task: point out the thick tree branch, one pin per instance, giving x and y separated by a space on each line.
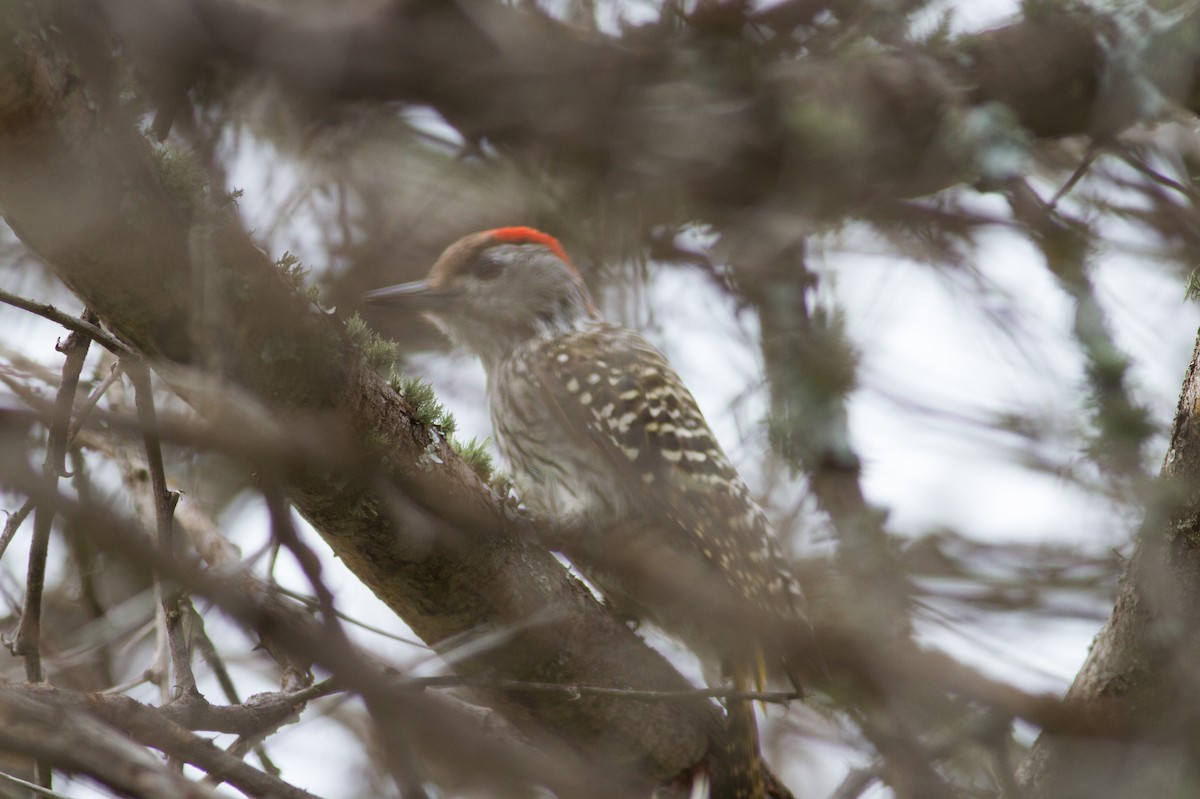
1140 672
440 725
85 194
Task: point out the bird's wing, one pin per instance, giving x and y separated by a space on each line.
613 387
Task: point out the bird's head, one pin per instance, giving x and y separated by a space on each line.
493 290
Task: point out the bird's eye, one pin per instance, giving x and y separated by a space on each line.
486 268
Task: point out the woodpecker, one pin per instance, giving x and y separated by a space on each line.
605 440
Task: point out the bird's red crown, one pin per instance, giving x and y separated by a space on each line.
527 235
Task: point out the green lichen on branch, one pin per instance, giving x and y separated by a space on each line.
379 352
478 455
426 409
1191 290
182 175
297 275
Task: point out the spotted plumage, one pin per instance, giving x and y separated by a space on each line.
599 427
605 440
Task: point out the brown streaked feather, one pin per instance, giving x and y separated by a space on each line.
609 386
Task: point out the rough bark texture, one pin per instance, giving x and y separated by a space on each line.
1141 673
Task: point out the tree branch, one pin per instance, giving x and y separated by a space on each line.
169 597
1142 661
80 742
27 643
449 567
529 83
155 728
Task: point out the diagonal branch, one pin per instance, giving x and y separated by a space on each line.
28 638
83 743
451 564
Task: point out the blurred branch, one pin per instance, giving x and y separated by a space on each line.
523 81
346 617
1124 425
212 657
811 368
357 670
776 697
284 533
856 783
156 727
79 742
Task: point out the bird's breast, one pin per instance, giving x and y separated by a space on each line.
555 473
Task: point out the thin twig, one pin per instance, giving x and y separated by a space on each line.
18 516
1138 163
455 681
85 410
85 326
398 756
212 657
93 600
164 511
285 533
1088 159
346 617
28 641
315 691
13 524
33 787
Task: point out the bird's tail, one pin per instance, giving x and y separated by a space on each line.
745 759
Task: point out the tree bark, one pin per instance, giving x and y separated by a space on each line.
1141 675
179 280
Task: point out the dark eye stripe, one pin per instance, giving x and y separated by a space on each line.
486 269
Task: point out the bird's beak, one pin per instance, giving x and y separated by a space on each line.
420 295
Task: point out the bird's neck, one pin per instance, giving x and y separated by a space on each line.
497 342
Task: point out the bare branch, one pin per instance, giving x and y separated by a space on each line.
27 643
86 325
13 523
151 727
356 670
164 511
79 742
